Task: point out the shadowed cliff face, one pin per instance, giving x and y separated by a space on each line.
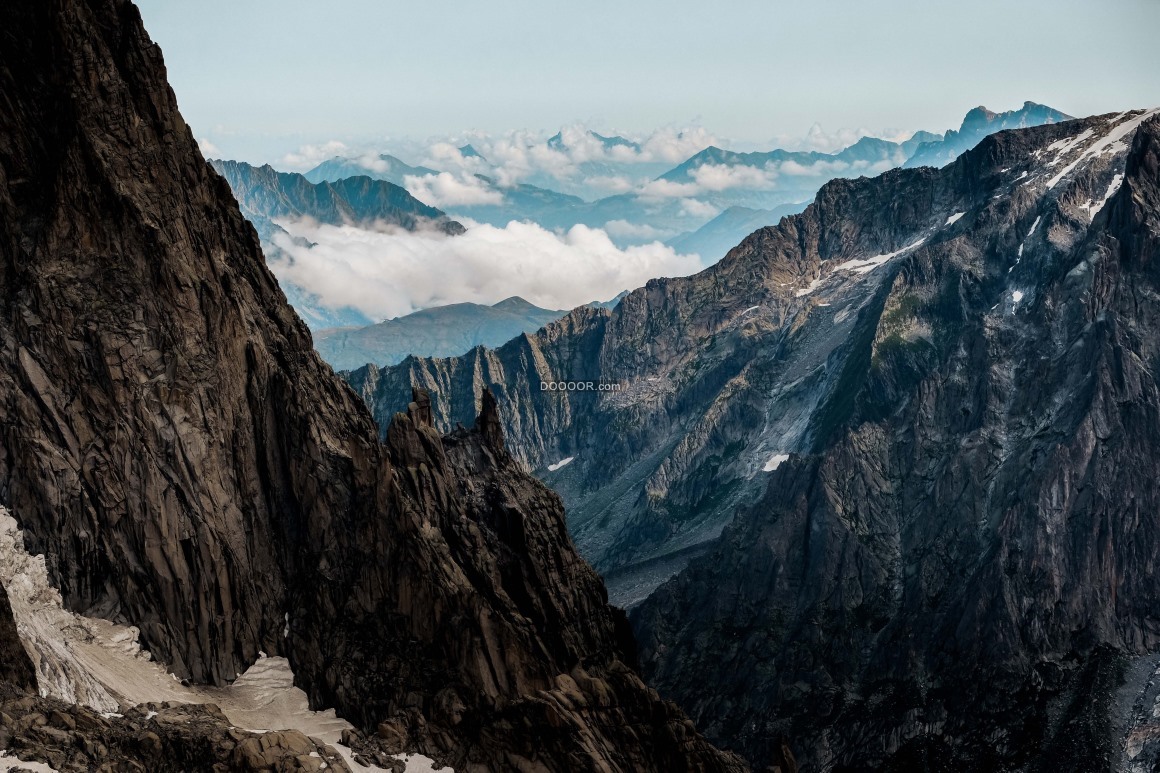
962 574
16 671
188 465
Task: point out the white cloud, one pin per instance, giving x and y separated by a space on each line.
674 145
667 189
208 149
622 229
389 273
612 183
517 155
309 156
448 190
719 177
711 178
446 156
695 208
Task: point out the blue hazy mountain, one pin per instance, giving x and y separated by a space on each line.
557 142
440 331
385 167
980 123
467 151
724 232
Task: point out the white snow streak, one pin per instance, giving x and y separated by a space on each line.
954 218
866 265
1116 134
560 464
774 462
1092 208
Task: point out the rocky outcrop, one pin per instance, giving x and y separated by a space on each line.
153 738
958 571
187 464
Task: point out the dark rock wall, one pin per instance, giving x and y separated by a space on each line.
187 464
958 576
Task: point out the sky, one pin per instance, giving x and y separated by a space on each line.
259 79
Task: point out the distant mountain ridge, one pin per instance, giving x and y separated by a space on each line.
440 331
724 232
765 180
384 167
978 124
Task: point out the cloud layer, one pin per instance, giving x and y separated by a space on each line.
390 273
446 190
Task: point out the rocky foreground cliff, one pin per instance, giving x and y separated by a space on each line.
188 466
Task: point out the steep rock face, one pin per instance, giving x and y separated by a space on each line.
188 465
959 571
16 671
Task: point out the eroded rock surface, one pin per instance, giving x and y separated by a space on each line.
187 465
959 571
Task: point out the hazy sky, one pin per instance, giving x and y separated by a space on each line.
258 78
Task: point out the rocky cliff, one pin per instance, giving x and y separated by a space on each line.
958 571
188 465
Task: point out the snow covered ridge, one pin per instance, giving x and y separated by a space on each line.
1114 139
101 665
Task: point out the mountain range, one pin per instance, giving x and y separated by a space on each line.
879 482
383 166
716 178
748 189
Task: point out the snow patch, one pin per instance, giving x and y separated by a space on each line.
1034 226
1016 298
12 763
560 464
954 218
751 308
866 265
774 462
1116 134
